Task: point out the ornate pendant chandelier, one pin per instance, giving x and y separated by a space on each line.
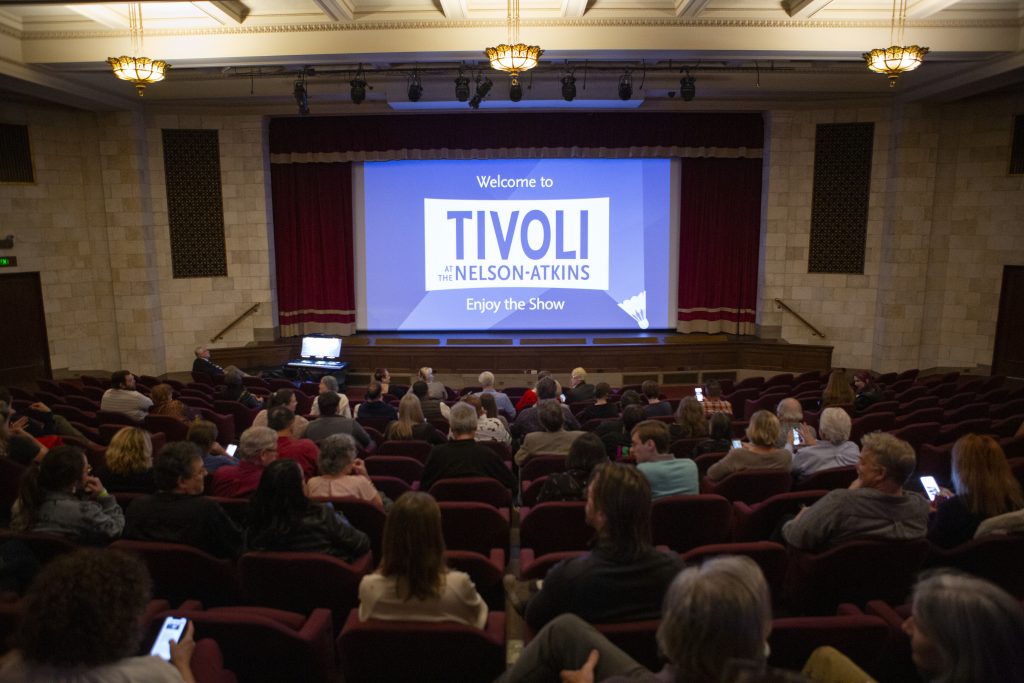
898 58
513 57
138 70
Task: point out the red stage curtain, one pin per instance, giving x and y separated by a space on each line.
719 237
313 247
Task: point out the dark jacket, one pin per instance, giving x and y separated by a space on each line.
181 518
320 530
466 458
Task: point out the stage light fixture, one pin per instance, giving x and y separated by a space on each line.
461 87
301 96
482 88
569 87
687 89
359 86
415 88
625 86
515 92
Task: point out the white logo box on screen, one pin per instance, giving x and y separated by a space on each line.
548 243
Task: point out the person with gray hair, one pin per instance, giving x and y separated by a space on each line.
505 406
553 439
342 474
234 389
791 416
833 449
203 364
257 448
529 419
463 456
712 613
875 505
964 629
329 384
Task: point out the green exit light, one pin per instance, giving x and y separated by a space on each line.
8 261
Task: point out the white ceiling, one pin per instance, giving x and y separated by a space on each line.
744 54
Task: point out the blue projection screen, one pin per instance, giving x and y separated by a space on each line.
516 244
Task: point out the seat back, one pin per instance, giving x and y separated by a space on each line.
555 526
225 425
686 522
173 428
109 417
882 407
998 558
683 448
918 434
479 489
541 465
770 557
181 572
363 515
486 572
44 547
861 637
243 416
935 461
10 479
706 460
392 487
405 468
419 450
832 478
637 639
758 522
871 422
919 415
971 411
750 485
474 526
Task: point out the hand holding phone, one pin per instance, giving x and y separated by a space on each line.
931 487
798 440
171 631
736 443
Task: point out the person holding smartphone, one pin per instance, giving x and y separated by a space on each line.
81 623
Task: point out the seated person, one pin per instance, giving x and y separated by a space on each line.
374 407
553 440
834 449
329 384
667 475
165 405
791 416
433 408
488 428
490 407
585 453
875 505
578 389
463 456
342 474
412 582
713 401
758 453
203 364
179 512
234 389
122 397
58 496
690 421
617 443
720 438
286 398
837 391
282 518
505 406
411 425
99 638
985 487
435 390
529 420
867 392
129 461
602 409
330 422
655 406
203 434
302 451
16 442
622 578
382 377
256 449
529 396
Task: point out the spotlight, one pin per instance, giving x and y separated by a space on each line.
415 88
569 87
301 97
515 93
482 88
625 86
461 87
359 87
687 90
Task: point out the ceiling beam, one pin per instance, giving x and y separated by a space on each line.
337 10
454 9
574 9
804 9
926 8
225 12
690 8
102 15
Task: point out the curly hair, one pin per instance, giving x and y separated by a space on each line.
130 452
84 608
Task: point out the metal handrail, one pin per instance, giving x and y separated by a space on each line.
814 330
252 309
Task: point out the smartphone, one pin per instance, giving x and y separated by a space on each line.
171 631
699 393
736 443
231 449
797 440
931 487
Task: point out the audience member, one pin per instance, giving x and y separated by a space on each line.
383 377
838 391
505 406
435 389
720 439
628 398
554 440
331 422
713 401
203 434
985 487
329 384
203 364
463 456
342 474
585 453
875 504
622 578
529 420
282 518
234 389
412 582
178 512
667 475
41 422
128 462
257 448
834 449
122 397
791 416
579 390
655 406
373 405
286 398
487 428
965 630
691 422
302 451
617 443
58 496
164 403
15 441
867 392
529 396
490 407
713 614
411 425
83 621
759 452
433 408
602 409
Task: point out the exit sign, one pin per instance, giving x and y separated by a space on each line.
8 261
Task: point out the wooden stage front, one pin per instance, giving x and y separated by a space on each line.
675 358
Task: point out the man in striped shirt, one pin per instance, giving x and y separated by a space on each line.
122 397
713 403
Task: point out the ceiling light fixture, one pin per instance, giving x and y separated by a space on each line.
513 57
141 71
897 58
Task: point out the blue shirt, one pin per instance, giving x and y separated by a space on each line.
212 462
673 477
503 402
